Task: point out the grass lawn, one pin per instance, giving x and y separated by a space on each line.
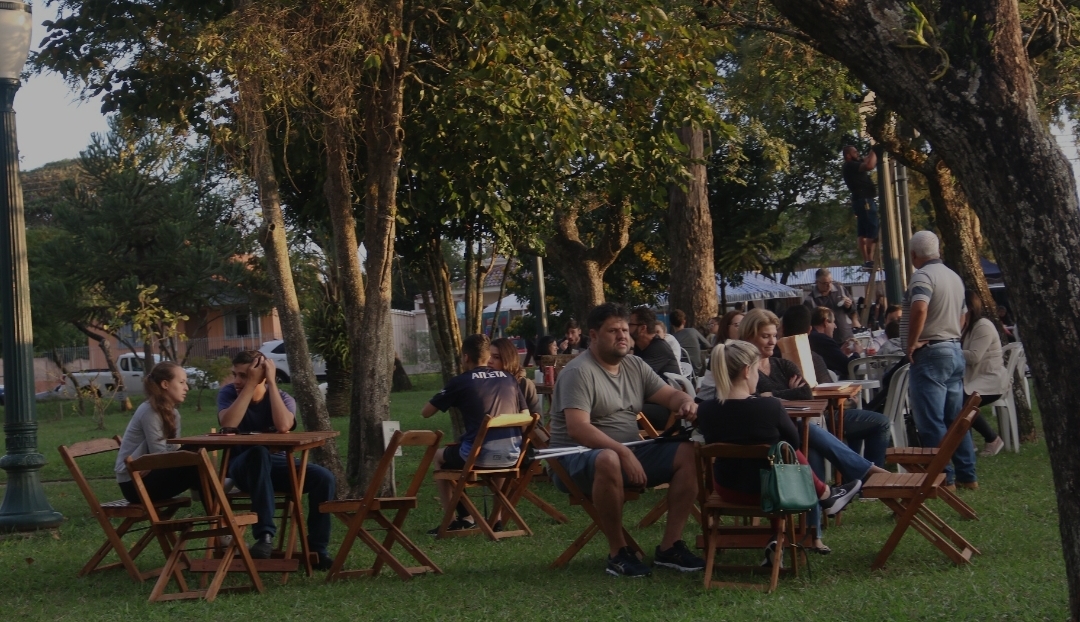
1020 574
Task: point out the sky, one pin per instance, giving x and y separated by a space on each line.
53 124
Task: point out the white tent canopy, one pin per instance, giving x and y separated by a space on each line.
509 303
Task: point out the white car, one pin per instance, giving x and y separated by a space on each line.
275 351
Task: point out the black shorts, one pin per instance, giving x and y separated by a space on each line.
866 218
452 457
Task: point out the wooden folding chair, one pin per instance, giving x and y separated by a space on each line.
217 520
354 512
906 494
472 476
717 536
539 439
918 459
130 513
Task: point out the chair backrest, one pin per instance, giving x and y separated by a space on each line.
895 405
213 495
872 367
69 454
411 438
954 436
707 455
645 427
526 421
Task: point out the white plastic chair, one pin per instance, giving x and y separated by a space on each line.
871 368
681 383
1005 407
896 405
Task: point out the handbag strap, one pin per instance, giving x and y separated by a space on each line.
782 453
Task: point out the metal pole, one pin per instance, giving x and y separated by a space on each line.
25 506
904 207
890 248
539 301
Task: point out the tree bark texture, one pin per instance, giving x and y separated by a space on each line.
581 266
338 389
981 114
690 239
272 238
374 362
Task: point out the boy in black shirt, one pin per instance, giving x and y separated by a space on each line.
477 392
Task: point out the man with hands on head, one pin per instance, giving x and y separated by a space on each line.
253 403
595 404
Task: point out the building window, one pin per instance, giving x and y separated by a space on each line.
241 324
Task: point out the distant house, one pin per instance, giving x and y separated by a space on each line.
216 331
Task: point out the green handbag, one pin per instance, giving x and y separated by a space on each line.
786 486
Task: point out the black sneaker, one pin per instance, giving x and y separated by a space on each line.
868 265
627 564
263 547
678 557
457 524
840 497
770 550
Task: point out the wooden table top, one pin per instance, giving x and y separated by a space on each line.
265 439
545 389
847 392
804 408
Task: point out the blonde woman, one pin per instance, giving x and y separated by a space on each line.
737 416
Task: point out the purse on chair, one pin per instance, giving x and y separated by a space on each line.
786 486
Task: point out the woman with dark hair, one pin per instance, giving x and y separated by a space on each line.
736 416
155 421
728 326
546 346
504 357
984 372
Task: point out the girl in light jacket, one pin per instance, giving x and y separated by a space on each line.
985 370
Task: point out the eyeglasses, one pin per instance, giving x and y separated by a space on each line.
632 324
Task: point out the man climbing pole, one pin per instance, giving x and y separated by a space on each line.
856 173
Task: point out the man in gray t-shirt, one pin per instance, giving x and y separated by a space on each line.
595 404
933 305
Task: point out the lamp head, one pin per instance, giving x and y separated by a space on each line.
16 24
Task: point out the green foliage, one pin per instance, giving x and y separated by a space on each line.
145 216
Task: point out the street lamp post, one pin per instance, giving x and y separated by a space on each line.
25 506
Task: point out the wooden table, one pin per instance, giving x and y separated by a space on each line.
805 410
289 443
834 411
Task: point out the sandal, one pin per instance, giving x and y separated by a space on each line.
820 550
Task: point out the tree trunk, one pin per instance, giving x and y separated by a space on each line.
982 115
374 363
475 274
338 389
690 239
272 238
583 267
442 317
401 378
110 362
498 301
338 192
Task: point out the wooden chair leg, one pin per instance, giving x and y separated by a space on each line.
655 513
394 534
546 507
576 546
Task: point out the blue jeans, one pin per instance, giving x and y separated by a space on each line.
259 473
866 427
824 446
936 393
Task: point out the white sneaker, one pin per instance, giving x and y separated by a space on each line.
993 448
